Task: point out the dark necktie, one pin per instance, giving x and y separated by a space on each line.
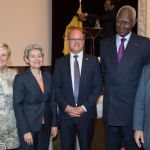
76 78
121 49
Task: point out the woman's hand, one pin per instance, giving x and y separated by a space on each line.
54 131
28 138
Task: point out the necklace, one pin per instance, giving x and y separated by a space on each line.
39 76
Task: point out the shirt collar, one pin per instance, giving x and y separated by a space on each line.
79 54
127 37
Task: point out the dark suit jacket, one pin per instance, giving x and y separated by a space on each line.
90 85
141 119
121 80
107 22
30 104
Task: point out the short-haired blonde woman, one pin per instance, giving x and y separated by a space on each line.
34 102
8 130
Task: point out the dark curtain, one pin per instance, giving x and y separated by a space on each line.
63 12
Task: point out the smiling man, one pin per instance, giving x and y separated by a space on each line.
122 59
78 84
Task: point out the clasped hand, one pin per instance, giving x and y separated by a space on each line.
74 111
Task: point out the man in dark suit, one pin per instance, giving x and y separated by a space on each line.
122 59
107 21
77 95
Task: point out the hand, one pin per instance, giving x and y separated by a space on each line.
138 136
28 138
54 131
82 17
71 111
80 110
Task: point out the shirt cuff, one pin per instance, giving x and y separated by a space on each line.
84 108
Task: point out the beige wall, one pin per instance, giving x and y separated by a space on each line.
24 22
144 18
148 19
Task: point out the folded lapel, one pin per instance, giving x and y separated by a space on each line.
67 68
112 51
84 69
32 79
128 54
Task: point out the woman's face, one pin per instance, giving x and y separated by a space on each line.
4 57
35 59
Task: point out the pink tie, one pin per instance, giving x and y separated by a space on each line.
121 49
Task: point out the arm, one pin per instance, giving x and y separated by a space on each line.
53 106
139 111
18 100
97 87
58 89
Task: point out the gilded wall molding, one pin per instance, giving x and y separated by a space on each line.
142 13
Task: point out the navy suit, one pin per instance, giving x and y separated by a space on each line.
89 91
31 105
121 81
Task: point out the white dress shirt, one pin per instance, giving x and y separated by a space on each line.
79 59
118 41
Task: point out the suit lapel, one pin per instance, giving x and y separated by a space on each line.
128 54
32 79
112 51
84 67
68 71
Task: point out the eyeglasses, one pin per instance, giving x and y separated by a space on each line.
79 40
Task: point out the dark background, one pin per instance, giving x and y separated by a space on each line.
63 12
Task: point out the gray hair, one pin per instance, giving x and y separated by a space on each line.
131 9
32 47
5 46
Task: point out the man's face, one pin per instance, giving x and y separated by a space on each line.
124 22
108 6
76 41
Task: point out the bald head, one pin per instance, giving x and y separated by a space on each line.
76 41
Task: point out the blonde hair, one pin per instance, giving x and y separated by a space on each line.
5 46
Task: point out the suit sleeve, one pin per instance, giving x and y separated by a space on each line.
18 98
97 87
58 88
103 68
147 52
53 106
139 107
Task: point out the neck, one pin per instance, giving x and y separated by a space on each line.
36 73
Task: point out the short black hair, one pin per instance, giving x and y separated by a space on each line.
115 2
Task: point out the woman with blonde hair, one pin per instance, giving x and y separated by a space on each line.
8 130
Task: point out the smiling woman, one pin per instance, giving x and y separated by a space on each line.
8 130
34 102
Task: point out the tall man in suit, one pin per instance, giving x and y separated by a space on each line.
122 59
77 95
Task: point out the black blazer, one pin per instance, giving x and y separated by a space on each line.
107 23
30 104
90 85
121 80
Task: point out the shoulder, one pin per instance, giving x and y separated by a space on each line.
109 39
11 72
139 37
63 58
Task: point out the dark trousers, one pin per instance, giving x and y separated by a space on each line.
40 140
115 135
69 128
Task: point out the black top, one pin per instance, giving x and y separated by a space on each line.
107 22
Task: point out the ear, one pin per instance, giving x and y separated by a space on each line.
26 60
134 22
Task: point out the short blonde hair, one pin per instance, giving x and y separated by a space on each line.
5 46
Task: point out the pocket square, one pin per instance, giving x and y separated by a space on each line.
86 58
136 44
